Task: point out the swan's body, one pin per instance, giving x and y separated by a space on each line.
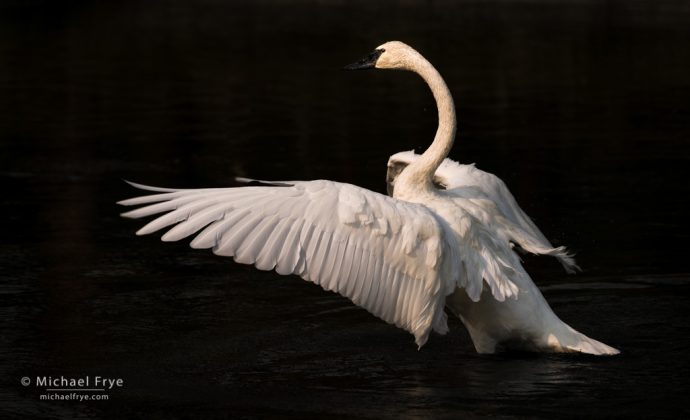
403 258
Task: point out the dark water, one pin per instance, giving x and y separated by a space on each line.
582 107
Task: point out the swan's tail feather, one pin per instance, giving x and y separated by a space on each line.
591 346
573 341
594 347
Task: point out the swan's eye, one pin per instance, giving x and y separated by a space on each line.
374 56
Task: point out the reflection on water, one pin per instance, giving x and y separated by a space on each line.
581 107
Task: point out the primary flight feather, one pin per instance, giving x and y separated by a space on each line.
444 238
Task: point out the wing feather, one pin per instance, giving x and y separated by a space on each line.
339 254
156 208
231 240
211 236
195 222
254 244
370 289
289 256
268 259
398 296
344 238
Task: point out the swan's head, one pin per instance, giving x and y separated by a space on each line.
391 55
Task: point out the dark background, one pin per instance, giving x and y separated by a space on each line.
581 107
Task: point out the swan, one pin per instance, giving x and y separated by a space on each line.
443 238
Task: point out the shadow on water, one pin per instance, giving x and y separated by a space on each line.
581 107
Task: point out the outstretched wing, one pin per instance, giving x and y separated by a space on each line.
384 254
466 179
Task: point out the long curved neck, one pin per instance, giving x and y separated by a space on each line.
421 171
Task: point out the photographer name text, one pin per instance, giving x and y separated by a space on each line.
79 382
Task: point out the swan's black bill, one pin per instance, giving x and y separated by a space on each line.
368 62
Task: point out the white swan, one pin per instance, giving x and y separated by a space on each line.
403 258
